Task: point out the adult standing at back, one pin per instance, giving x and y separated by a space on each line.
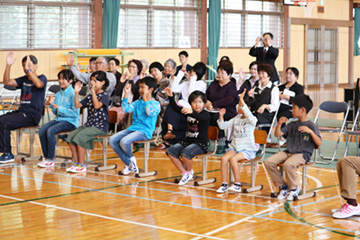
31 102
267 53
101 65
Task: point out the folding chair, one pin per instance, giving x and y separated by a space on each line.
305 167
145 172
32 130
105 141
271 125
260 138
353 132
11 93
332 107
213 134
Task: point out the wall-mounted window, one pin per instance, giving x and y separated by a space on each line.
242 21
55 24
159 23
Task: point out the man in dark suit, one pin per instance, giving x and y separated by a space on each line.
267 53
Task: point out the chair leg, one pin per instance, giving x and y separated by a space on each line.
303 194
252 187
204 171
146 159
104 155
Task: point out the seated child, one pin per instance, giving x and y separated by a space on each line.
196 140
67 117
242 145
145 113
302 137
97 124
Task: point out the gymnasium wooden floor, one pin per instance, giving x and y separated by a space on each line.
52 204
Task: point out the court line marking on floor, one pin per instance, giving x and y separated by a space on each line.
114 219
291 213
171 203
156 181
233 223
145 188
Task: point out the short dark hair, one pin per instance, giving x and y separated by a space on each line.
266 68
101 76
33 59
270 34
184 53
227 66
117 62
199 68
138 64
223 58
195 94
253 63
156 65
294 70
67 74
303 100
92 59
150 82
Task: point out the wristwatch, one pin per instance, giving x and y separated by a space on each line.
28 71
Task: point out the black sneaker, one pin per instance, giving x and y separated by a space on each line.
6 158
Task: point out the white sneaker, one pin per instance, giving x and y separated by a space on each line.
293 194
77 169
282 194
134 167
235 188
346 211
46 163
186 176
126 170
223 188
70 168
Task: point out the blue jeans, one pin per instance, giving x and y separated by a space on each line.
121 143
47 136
189 152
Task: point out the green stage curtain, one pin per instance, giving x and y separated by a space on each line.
111 10
214 20
357 31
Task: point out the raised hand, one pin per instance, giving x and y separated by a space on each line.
124 77
222 112
70 59
186 111
251 93
78 67
257 41
78 87
168 92
10 60
282 120
51 100
208 105
28 62
241 74
127 88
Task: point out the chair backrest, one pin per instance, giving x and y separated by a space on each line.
54 88
11 88
113 117
260 136
213 133
334 107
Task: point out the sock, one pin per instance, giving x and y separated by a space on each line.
284 187
81 165
224 184
352 202
237 184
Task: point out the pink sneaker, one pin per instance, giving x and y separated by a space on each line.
346 211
